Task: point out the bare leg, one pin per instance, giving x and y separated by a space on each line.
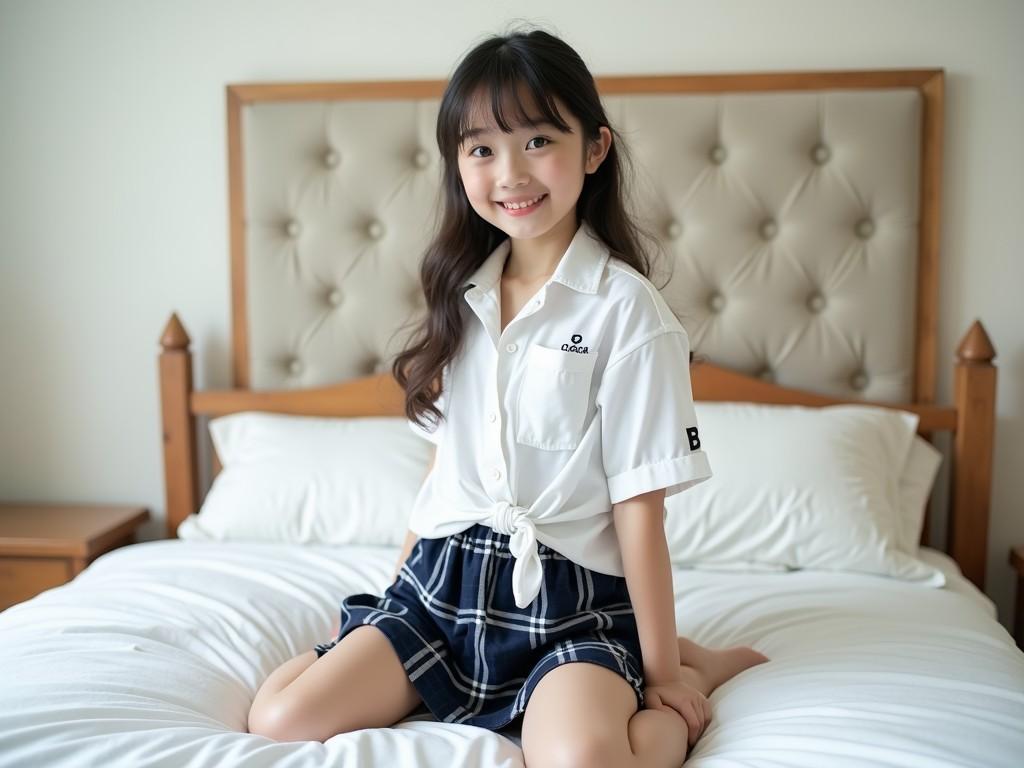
280 679
706 668
585 714
657 737
359 683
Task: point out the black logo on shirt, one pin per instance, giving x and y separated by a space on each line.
691 435
575 346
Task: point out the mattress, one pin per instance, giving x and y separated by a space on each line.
152 656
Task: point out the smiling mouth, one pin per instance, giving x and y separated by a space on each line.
524 205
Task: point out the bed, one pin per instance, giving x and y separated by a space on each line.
799 219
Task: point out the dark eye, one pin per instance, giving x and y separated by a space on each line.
474 149
541 138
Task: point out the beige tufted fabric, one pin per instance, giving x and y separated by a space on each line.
340 197
789 220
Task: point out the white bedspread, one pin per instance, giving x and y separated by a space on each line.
153 654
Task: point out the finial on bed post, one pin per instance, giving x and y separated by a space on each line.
974 395
181 473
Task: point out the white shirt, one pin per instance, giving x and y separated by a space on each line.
583 401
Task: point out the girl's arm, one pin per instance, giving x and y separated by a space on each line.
640 528
410 537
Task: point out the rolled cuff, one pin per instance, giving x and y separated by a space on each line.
674 475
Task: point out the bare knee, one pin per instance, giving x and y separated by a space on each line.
361 683
276 720
265 718
578 715
282 718
587 752
659 732
271 714
284 715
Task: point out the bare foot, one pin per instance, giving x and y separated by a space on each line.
706 668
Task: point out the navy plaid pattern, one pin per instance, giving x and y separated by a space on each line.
473 656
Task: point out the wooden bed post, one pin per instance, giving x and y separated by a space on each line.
181 475
974 395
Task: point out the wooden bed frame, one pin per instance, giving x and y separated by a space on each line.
971 418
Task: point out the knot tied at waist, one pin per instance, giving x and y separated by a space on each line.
526 573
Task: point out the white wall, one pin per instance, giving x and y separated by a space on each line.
113 191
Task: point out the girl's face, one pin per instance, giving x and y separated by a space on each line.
531 162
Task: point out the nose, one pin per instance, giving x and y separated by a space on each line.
513 172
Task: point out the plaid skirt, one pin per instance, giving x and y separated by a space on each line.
473 656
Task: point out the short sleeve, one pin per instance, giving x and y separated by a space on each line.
649 436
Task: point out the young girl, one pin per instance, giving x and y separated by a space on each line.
558 383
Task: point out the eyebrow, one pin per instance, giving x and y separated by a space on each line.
471 133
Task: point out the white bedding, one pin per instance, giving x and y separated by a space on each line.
152 656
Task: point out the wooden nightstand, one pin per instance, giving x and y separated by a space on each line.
46 545
1017 561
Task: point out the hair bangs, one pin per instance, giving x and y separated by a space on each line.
500 90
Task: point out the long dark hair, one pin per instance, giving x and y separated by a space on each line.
546 67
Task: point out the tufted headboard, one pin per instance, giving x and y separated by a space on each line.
797 218
789 210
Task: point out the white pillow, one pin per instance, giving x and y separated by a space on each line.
799 487
304 479
915 488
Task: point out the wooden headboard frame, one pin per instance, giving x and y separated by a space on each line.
971 418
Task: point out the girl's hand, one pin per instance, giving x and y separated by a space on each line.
683 699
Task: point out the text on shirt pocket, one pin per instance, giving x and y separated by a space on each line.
553 398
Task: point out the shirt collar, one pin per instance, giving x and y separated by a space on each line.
580 267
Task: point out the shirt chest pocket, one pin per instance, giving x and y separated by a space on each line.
553 398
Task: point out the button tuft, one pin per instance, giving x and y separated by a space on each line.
815 302
717 154
821 154
766 374
716 302
769 229
331 158
674 229
293 228
865 228
295 366
421 158
375 230
334 297
859 380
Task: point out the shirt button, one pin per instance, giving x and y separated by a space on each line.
496 474
492 416
511 347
